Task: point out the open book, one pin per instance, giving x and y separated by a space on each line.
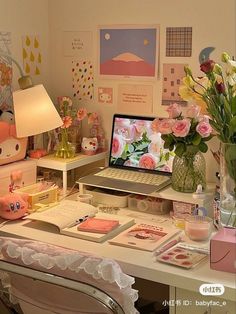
144 236
68 215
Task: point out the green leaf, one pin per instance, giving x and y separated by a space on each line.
196 139
203 147
233 105
180 149
130 148
232 126
168 142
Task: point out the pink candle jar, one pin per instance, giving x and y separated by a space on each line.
198 228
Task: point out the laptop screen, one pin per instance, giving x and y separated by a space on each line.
135 145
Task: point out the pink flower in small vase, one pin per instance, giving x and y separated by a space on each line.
81 114
174 110
118 145
204 129
193 111
67 121
92 117
148 161
181 128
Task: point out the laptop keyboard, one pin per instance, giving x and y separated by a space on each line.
133 176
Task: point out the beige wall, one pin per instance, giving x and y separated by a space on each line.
213 24
26 17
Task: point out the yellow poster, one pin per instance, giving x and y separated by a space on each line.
31 53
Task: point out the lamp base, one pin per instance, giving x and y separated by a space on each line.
25 82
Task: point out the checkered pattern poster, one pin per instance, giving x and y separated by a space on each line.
178 41
172 79
82 80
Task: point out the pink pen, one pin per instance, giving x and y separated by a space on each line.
167 246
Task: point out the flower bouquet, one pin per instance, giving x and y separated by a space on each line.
186 135
218 90
66 149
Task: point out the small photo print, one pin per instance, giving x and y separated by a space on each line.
105 95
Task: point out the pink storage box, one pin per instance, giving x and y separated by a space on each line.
28 168
223 250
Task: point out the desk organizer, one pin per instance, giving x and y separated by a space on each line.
151 205
28 169
108 197
182 210
36 196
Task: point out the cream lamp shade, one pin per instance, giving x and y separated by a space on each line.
34 112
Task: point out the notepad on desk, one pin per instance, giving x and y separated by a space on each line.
69 215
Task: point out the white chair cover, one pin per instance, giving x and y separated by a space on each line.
47 298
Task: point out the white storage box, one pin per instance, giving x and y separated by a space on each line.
28 169
151 205
108 197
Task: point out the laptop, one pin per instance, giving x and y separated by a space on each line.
138 162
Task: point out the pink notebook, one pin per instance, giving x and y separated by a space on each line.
98 225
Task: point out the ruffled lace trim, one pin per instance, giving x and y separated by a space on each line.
98 268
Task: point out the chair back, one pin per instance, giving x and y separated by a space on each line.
50 279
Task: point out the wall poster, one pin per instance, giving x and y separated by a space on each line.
135 98
6 101
128 51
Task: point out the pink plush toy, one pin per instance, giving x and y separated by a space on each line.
13 206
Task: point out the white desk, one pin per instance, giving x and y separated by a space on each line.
64 165
134 262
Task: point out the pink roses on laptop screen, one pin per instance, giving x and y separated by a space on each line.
137 144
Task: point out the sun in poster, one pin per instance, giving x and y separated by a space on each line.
128 52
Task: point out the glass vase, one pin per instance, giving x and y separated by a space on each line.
75 135
189 171
228 185
65 149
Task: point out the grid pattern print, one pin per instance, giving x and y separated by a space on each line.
178 41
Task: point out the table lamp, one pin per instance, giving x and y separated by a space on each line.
34 111
34 114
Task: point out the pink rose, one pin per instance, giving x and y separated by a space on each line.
193 111
118 145
204 129
174 110
147 161
141 126
122 123
130 133
181 128
163 126
204 118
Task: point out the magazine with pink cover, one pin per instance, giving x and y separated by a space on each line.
144 236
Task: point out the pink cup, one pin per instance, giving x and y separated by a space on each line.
198 228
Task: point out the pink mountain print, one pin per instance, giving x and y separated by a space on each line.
127 64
